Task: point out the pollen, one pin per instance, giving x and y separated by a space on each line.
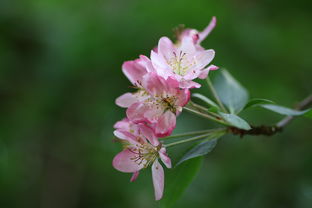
180 63
145 154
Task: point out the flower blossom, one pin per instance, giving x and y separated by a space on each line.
141 149
157 101
185 60
134 71
162 84
196 36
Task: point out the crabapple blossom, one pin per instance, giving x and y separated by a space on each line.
134 71
163 103
141 149
185 60
196 36
162 84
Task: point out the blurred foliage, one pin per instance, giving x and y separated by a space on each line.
60 71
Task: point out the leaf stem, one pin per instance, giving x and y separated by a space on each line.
215 94
204 115
216 133
192 133
204 109
187 140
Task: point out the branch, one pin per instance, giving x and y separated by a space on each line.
271 130
300 106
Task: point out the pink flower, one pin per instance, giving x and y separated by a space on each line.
185 60
134 71
165 101
198 37
141 149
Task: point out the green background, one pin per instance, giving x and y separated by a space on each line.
60 72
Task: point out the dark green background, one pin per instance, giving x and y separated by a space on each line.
60 71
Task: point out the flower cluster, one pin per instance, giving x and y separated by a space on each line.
162 84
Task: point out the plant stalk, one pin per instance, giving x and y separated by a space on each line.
189 139
215 94
205 115
192 133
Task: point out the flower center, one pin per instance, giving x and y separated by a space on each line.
163 102
169 103
180 63
144 154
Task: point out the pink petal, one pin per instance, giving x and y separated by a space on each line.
187 45
160 65
133 70
166 124
155 84
213 67
184 97
189 85
204 73
149 134
120 135
125 135
165 47
126 100
172 82
123 124
134 176
158 179
207 30
124 162
146 62
164 157
203 58
136 112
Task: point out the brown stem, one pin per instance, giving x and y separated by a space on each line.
271 130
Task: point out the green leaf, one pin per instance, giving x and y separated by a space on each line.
284 110
205 99
230 91
200 149
256 102
235 120
178 179
214 109
309 113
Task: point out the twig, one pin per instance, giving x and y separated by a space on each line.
303 104
271 130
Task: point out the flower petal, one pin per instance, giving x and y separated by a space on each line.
203 58
160 64
187 45
165 125
166 48
204 73
126 100
164 157
189 85
123 124
158 179
155 84
136 112
149 134
134 71
125 135
146 62
125 162
207 30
